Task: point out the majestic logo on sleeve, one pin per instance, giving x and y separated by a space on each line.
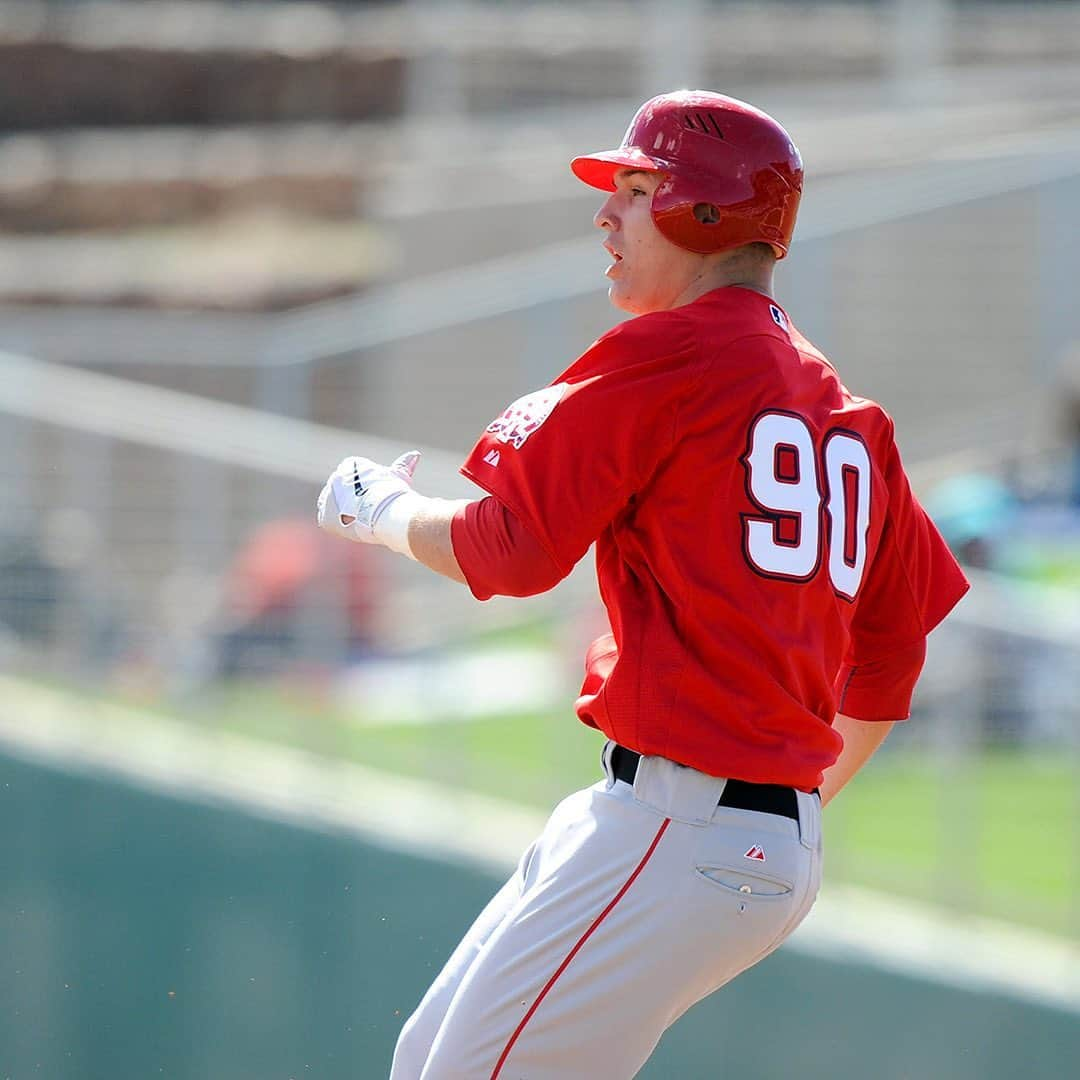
522 418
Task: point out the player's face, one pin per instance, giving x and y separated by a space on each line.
649 272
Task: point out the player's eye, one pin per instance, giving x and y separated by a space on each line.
638 191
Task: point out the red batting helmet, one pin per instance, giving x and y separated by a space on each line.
713 149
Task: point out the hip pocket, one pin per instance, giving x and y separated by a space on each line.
746 883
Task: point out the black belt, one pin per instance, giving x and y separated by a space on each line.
738 794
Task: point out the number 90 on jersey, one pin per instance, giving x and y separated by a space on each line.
813 501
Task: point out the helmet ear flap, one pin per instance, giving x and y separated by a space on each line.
706 213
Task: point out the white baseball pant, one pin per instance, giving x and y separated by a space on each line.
633 904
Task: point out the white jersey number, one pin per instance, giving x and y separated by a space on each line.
805 508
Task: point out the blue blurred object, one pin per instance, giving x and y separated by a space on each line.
972 507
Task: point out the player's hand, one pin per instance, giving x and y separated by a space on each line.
358 493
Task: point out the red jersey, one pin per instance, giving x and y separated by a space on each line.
757 542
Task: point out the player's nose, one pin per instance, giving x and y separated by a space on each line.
605 217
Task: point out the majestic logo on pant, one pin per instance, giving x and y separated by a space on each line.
757 853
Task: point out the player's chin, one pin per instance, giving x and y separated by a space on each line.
618 295
621 298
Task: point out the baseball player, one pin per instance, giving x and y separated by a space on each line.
769 578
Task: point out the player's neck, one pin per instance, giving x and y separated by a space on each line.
758 279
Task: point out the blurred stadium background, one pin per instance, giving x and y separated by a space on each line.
256 784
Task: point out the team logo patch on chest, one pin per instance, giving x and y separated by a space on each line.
526 414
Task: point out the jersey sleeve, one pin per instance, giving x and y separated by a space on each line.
566 459
881 689
497 554
913 583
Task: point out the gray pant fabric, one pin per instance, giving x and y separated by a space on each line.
633 904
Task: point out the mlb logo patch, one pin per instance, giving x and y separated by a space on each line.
778 317
525 416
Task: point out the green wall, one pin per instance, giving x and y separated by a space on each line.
142 936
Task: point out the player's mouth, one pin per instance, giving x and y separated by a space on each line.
616 257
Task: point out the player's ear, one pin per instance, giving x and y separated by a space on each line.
706 213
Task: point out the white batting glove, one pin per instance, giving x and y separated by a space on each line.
356 497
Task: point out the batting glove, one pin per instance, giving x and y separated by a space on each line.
357 496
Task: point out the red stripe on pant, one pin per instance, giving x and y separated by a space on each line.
574 951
